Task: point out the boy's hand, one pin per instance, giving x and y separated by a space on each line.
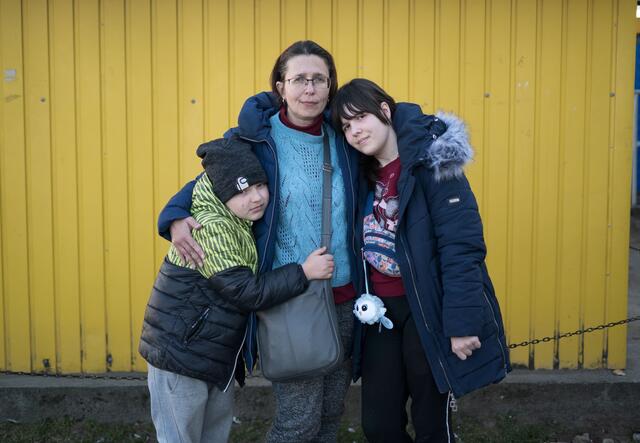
189 250
318 265
463 347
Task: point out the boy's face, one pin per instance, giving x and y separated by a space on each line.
250 203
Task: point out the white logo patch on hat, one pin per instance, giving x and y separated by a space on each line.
242 183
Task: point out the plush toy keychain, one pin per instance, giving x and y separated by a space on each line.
369 308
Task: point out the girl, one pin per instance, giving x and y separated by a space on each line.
447 337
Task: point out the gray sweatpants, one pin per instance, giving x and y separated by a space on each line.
310 410
187 410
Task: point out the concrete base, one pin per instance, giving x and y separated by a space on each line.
570 400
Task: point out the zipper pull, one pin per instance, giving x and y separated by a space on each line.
196 326
453 404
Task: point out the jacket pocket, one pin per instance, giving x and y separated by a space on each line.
195 328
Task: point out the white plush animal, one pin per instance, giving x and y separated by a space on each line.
370 309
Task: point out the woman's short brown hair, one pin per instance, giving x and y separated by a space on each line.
303 47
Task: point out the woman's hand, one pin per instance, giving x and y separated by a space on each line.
318 265
189 250
463 347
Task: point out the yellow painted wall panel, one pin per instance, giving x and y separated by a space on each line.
344 45
448 54
116 183
320 27
472 87
242 42
546 164
139 151
90 186
64 187
370 53
3 361
40 212
13 177
132 88
497 157
521 178
397 49
166 158
191 93
268 45
596 180
422 54
293 23
572 179
619 181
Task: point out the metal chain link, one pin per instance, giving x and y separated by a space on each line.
143 377
535 341
107 376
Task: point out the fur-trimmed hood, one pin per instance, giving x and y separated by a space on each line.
441 141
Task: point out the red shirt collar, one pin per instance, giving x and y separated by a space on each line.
314 128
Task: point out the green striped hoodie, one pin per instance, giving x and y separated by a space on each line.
226 239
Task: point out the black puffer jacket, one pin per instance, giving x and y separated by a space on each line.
196 327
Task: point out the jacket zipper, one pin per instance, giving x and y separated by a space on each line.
235 363
424 318
266 246
196 326
493 315
353 200
275 197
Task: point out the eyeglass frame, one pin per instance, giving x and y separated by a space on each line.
320 86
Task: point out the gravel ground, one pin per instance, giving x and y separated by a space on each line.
506 429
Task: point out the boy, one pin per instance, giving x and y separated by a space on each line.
195 323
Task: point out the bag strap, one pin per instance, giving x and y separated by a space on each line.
327 170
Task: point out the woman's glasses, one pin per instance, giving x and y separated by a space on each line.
317 81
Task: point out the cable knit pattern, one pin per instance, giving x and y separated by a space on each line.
300 199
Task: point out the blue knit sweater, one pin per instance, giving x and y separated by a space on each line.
300 160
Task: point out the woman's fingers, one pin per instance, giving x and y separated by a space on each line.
189 250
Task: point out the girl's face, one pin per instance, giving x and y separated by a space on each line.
372 137
305 88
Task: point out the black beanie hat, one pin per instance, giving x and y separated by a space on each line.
231 166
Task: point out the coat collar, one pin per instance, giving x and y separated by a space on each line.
253 120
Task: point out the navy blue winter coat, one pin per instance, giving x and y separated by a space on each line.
441 252
254 127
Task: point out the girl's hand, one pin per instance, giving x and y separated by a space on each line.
463 347
318 265
189 250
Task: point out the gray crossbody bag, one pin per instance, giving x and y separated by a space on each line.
300 339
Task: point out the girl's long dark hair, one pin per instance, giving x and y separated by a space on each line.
356 97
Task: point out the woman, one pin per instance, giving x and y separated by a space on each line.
447 337
285 129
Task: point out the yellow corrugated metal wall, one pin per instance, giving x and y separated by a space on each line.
103 104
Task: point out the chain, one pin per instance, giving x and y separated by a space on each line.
140 377
535 341
143 377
